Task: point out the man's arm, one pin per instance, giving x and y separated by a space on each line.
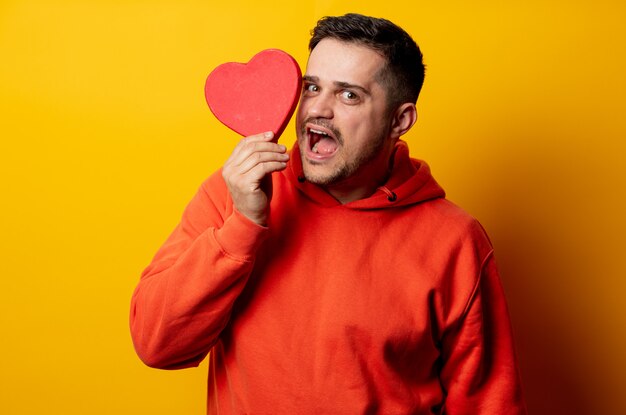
480 372
184 298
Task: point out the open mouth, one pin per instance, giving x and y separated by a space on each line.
322 142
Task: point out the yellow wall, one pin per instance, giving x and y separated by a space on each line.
105 136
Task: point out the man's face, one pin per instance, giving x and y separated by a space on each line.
342 121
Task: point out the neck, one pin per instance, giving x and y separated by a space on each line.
362 184
347 195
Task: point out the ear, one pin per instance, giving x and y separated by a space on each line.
403 119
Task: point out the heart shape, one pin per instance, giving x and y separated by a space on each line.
255 97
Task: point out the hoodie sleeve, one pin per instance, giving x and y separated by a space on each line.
479 369
185 296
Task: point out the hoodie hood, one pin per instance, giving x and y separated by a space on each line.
410 182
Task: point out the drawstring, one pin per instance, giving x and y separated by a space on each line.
391 196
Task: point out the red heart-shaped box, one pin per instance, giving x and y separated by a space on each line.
255 97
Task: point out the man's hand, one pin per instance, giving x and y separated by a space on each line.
246 173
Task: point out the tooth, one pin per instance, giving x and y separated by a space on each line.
318 132
314 149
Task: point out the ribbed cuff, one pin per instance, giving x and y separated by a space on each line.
240 237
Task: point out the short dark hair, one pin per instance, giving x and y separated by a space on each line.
403 76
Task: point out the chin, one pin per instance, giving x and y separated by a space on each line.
323 175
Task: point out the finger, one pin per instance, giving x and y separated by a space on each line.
259 158
263 169
263 137
235 156
255 152
248 148
246 142
252 179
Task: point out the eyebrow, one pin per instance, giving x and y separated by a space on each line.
308 78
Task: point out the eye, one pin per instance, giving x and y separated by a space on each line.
311 88
349 96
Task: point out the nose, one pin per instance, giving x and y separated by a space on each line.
321 106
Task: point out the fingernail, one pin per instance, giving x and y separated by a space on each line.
269 134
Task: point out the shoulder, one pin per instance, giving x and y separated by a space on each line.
450 222
458 251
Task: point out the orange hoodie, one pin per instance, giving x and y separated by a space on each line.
387 305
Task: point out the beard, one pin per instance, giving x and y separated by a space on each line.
347 164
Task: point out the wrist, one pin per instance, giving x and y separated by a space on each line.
239 236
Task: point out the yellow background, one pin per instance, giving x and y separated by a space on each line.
105 136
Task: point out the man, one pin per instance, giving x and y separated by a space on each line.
334 279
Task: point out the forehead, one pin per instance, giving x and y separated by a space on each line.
333 60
